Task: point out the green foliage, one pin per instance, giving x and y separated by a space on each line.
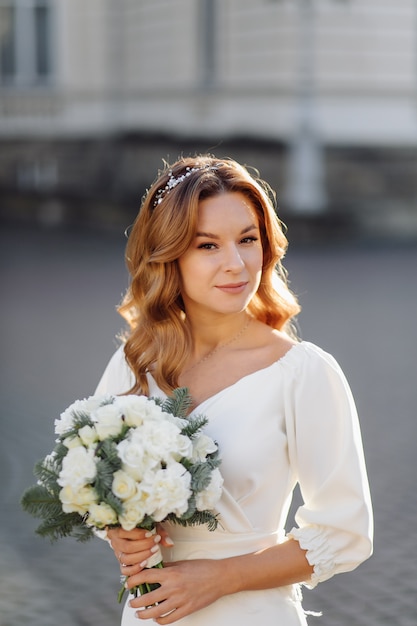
80 419
47 474
113 501
104 478
41 503
200 476
64 525
194 426
196 519
60 451
147 523
107 450
178 403
82 533
213 459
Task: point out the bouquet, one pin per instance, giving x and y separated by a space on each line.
128 461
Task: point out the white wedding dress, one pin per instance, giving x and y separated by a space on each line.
294 421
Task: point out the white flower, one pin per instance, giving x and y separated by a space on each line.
88 435
184 448
169 492
136 409
134 510
78 468
203 446
66 420
180 422
123 486
163 441
135 460
107 421
64 423
79 500
101 515
208 498
72 442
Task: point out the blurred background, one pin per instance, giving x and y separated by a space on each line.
321 97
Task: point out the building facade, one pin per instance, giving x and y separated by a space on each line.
313 77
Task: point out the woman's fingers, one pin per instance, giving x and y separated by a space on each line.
184 587
131 570
166 540
133 547
120 533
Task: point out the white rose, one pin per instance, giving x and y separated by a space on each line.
162 441
101 515
79 500
184 448
66 420
123 486
94 402
180 422
134 510
202 446
78 468
72 442
65 423
136 409
107 421
169 492
88 435
136 460
208 498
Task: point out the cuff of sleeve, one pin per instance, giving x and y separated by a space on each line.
314 539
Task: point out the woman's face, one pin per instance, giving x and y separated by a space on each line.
222 268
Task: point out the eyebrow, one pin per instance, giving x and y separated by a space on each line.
213 236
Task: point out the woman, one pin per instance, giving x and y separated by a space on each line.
209 309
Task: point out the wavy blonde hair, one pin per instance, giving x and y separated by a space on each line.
159 337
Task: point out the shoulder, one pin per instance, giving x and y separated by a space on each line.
313 375
272 344
117 377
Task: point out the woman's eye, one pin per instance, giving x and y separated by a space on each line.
249 239
206 246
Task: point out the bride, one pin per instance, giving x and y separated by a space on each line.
209 309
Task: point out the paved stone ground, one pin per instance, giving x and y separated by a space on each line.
58 324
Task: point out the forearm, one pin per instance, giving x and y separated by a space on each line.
176 594
277 566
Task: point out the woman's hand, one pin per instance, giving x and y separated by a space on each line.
133 548
185 587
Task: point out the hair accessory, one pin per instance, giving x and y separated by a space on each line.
174 181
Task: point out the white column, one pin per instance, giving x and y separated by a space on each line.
306 192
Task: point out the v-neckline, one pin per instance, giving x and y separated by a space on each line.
237 382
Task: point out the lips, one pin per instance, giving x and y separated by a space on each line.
233 287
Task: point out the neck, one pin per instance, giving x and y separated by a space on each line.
216 337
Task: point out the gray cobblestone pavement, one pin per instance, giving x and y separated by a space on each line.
58 324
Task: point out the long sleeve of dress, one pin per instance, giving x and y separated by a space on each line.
325 450
117 378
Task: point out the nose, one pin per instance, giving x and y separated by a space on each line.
233 260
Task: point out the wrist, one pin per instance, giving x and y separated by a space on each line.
230 575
